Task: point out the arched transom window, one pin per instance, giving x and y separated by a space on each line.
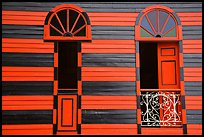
158 23
67 22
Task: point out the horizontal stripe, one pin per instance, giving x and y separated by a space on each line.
27 88
27 132
108 102
119 60
27 45
193 102
103 7
27 73
194 129
192 74
98 32
23 129
193 88
27 117
27 59
192 46
163 131
194 116
192 32
117 129
96 18
108 88
192 60
108 116
109 46
27 102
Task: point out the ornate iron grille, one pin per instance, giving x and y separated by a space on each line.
160 109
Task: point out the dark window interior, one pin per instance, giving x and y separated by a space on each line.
67 65
148 65
148 75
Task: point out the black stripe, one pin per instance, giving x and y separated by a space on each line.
194 116
55 73
47 17
27 88
109 116
138 102
137 47
114 60
54 129
22 31
78 128
79 101
79 73
104 6
180 46
138 73
55 101
181 74
183 102
108 88
87 18
55 47
27 117
139 128
184 128
78 46
27 59
193 88
68 92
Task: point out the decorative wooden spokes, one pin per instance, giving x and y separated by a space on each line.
158 23
67 23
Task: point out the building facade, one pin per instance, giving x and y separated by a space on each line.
101 68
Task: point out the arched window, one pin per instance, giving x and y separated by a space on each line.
158 23
67 22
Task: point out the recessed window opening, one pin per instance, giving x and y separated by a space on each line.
67 65
148 65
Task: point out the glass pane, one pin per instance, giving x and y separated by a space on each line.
63 18
171 23
56 24
153 19
162 19
72 17
79 23
171 33
144 33
146 25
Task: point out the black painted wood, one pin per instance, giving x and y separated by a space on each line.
27 88
108 88
118 60
27 59
109 116
27 117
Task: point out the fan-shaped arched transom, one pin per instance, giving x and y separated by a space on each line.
67 22
158 23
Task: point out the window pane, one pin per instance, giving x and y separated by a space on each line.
171 33
169 25
146 25
153 19
162 19
144 33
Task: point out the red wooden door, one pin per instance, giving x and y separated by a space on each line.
168 78
168 65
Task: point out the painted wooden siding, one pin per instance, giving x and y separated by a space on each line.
113 45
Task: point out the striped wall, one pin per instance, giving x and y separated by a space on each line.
108 99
